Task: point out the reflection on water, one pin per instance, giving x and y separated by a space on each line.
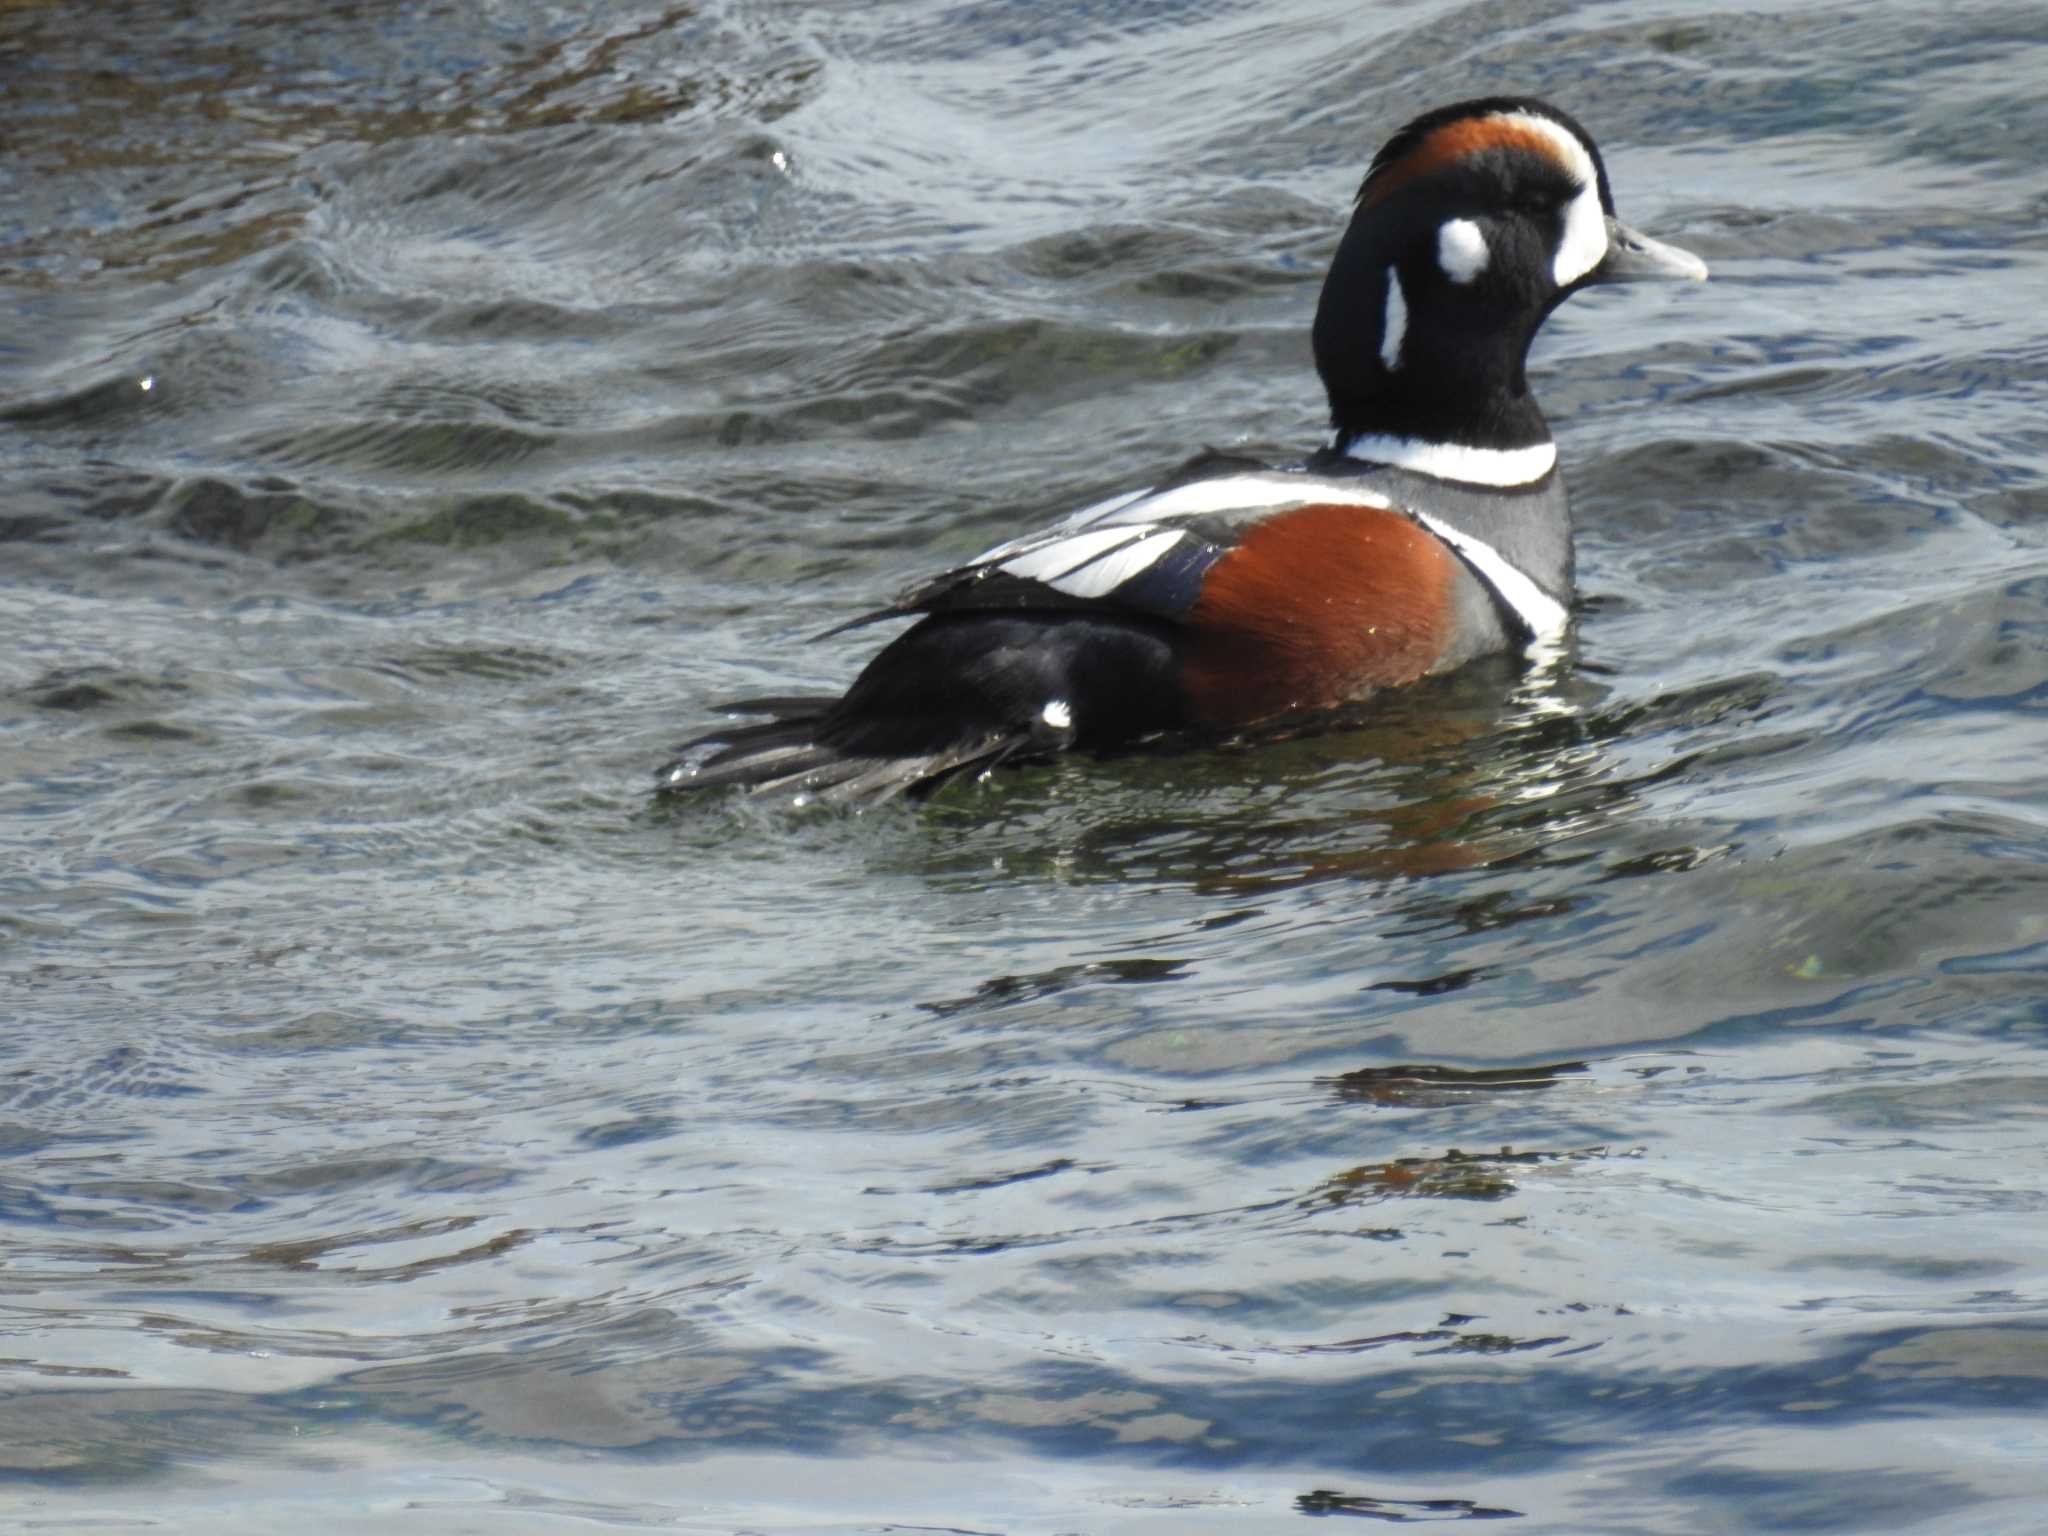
1602 1094
1428 1085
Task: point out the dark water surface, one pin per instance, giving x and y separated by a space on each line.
1614 1099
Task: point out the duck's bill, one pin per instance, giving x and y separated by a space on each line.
1633 256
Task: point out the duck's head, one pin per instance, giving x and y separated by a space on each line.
1473 223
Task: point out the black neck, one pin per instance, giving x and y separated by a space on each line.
1459 376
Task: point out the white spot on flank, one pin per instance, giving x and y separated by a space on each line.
1058 715
1395 326
1461 250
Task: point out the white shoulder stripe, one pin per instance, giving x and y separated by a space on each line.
1455 461
1545 616
1101 577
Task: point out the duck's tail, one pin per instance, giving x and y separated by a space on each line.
956 695
802 748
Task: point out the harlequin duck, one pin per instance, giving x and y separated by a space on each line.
1431 529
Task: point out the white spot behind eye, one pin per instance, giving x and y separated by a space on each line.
1058 715
1395 327
1461 250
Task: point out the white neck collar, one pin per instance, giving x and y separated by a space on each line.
1455 461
